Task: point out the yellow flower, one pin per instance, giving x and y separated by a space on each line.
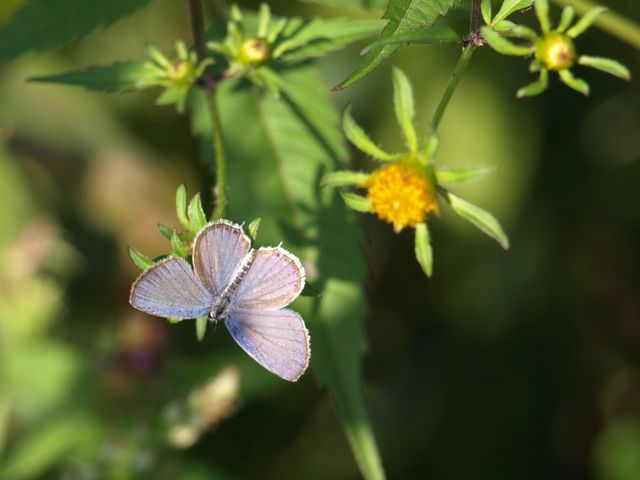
401 195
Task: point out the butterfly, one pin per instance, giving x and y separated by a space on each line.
245 288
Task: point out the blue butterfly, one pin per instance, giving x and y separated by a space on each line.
246 289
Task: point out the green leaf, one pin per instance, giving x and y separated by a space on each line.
585 21
460 175
357 202
181 205
423 250
568 13
195 213
606 65
404 107
253 227
321 36
479 217
142 261
43 24
508 8
535 88
165 231
344 178
485 8
118 77
361 140
504 46
403 16
576 84
295 140
179 249
542 11
440 34
201 327
264 17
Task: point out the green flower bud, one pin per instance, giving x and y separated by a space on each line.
254 51
181 71
556 51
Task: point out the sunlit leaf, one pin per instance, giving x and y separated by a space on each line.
478 217
344 178
361 140
509 7
585 21
459 175
404 108
253 228
435 34
142 261
357 202
606 65
577 84
423 250
181 205
195 213
504 46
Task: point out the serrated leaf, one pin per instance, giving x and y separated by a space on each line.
504 46
482 219
195 213
404 108
142 261
294 140
357 202
436 34
344 178
423 250
509 7
403 16
361 140
181 205
118 77
460 175
253 228
606 65
43 24
201 327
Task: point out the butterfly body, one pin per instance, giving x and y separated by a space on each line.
244 287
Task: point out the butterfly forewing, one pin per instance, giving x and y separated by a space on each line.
277 339
170 289
273 281
218 250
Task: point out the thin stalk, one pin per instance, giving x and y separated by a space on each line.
209 84
459 69
611 22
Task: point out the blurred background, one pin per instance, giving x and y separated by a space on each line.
524 364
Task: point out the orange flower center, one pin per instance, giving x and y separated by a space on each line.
401 195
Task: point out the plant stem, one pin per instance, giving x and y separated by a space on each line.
459 69
611 22
209 84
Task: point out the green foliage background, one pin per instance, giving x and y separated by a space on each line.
504 365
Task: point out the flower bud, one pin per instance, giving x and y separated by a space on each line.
556 51
254 51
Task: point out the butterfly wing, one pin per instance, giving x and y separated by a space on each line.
170 289
276 339
217 251
273 281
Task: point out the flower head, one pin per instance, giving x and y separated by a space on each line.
177 76
401 195
552 49
404 190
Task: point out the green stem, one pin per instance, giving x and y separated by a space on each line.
460 68
209 84
220 159
611 22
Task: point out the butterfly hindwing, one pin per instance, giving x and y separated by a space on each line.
170 289
274 280
277 339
